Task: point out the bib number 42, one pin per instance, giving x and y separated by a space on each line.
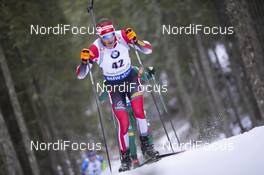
118 64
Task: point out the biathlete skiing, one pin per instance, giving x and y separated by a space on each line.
144 75
111 52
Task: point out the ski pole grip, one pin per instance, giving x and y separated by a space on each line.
90 7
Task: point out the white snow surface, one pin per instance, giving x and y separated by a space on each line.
238 155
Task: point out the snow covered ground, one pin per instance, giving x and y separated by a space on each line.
239 155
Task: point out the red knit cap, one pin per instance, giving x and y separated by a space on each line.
105 28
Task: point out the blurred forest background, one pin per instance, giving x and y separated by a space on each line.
215 82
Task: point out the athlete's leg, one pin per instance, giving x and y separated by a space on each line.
137 104
131 133
121 114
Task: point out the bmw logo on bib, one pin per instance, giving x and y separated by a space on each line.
115 54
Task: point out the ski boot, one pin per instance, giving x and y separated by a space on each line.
125 161
148 150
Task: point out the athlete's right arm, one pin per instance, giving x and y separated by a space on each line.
87 57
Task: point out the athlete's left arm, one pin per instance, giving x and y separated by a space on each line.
141 45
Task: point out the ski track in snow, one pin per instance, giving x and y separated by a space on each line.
238 155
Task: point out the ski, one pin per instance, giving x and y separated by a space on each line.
149 161
170 154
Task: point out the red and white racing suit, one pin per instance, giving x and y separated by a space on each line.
116 67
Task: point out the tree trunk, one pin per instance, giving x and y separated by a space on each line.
243 86
18 114
11 161
237 66
175 66
209 80
251 52
227 85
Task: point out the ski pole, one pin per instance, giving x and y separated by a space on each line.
166 110
162 122
90 11
100 115
160 96
154 100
